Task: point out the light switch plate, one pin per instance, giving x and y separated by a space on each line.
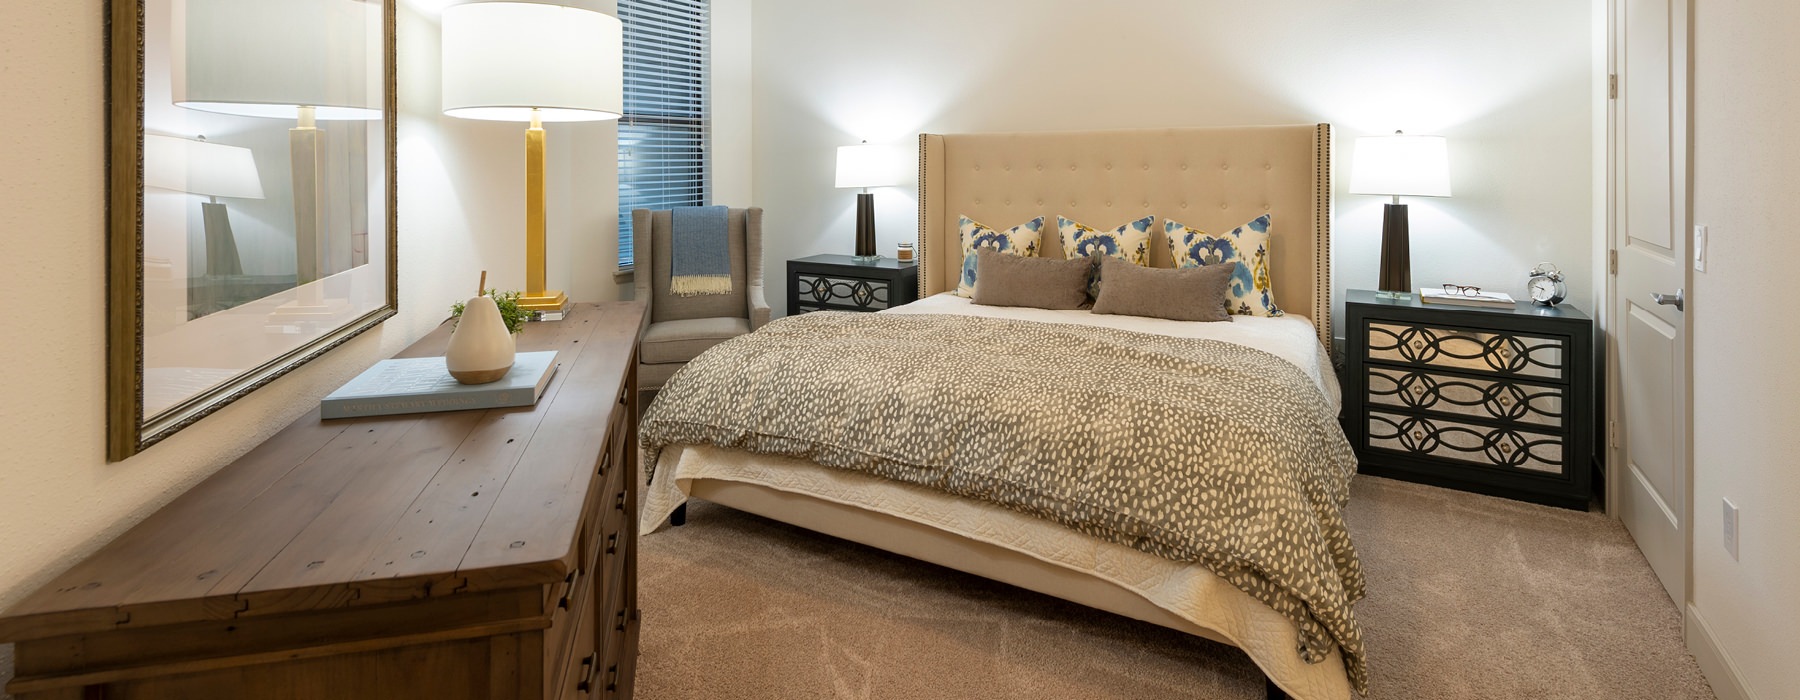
1699 248
1731 528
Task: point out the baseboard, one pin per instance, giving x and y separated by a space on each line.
1727 682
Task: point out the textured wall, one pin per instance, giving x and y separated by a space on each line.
1746 393
460 208
1509 83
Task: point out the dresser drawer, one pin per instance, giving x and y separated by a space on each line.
1498 399
817 291
1466 442
1515 354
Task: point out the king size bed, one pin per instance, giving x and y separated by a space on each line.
1187 474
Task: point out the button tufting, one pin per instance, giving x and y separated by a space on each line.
1267 166
1184 205
1146 166
1225 166
1071 168
1007 168
1109 204
978 201
1040 202
1040 167
1222 207
1184 166
1007 202
1109 166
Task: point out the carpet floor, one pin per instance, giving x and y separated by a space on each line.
1468 597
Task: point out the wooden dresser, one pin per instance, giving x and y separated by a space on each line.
474 554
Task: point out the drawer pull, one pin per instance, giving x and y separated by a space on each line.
620 626
619 502
568 588
612 543
587 677
612 678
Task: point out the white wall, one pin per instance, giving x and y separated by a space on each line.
1509 83
1746 393
460 208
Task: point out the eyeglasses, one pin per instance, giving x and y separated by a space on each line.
1462 290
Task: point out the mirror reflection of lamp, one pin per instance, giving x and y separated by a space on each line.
210 170
299 60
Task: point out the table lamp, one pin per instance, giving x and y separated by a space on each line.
1399 166
210 170
535 63
304 61
866 166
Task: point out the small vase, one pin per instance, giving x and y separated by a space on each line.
481 350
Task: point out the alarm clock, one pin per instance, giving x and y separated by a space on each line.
1546 285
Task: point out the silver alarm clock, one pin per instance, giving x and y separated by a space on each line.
1546 285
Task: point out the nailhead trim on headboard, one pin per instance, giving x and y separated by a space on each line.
921 249
1322 228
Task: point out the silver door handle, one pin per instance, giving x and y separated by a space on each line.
1677 300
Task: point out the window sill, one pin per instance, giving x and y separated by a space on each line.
624 275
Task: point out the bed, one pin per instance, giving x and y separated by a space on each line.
1216 178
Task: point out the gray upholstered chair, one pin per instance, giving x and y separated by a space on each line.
680 328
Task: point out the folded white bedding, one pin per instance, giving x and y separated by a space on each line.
1289 337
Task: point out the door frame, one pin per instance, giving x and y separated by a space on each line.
1681 127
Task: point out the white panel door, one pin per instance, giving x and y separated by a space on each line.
1650 337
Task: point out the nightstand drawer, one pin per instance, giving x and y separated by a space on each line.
1496 399
1466 442
1515 354
819 291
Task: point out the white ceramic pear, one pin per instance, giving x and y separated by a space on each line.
481 349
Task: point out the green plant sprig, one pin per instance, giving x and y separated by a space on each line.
515 317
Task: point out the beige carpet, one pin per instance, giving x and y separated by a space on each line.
1469 597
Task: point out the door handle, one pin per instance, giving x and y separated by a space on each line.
1677 300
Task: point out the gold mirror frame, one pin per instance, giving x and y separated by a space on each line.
127 432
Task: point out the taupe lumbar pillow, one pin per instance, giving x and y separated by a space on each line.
1186 294
1012 280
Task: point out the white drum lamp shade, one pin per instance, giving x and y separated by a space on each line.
198 167
867 166
504 60
1401 166
269 58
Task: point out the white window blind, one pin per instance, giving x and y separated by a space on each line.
663 134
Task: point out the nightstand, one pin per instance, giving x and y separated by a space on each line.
839 283
1492 400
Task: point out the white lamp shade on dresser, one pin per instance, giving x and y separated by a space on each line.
1401 165
198 167
504 60
867 166
269 58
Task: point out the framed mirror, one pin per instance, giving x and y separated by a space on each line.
250 195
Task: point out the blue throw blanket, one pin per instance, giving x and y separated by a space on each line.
700 251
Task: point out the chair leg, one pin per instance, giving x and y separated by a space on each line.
679 517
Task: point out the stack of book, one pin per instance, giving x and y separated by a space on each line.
1437 295
556 315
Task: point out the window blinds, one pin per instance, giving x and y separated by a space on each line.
663 134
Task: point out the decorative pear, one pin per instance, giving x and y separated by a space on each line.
481 349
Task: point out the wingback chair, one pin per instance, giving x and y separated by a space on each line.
680 328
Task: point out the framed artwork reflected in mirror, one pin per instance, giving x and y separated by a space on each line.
250 194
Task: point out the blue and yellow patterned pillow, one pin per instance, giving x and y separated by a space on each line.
1130 243
1019 240
1247 246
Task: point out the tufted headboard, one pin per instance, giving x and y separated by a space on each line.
1213 179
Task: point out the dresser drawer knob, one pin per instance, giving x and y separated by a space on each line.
1418 390
1418 345
1418 435
1506 401
1506 448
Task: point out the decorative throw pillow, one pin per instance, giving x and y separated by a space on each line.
1247 247
1040 283
1186 294
1130 242
1018 240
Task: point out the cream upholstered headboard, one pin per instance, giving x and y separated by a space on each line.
1213 179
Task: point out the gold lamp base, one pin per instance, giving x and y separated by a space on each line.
550 300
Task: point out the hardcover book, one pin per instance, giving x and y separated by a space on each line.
423 385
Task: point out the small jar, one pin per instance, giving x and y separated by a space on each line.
905 253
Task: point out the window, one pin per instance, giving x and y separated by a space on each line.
663 133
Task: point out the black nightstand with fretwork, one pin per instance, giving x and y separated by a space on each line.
1493 400
839 283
